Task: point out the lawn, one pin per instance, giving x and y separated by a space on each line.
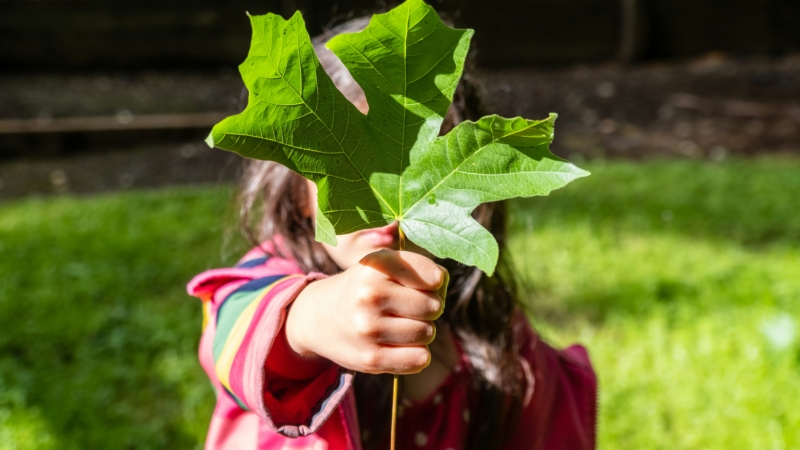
682 278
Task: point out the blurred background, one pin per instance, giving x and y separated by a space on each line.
677 262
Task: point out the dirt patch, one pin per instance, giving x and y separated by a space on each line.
710 108
703 108
143 167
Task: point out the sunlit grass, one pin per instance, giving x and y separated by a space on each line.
692 322
98 338
683 279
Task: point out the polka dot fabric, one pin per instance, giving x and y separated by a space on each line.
440 421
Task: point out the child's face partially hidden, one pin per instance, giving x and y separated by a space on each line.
354 246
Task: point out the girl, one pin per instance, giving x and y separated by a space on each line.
289 327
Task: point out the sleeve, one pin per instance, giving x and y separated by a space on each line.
251 361
560 411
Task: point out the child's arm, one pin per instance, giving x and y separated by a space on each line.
366 318
245 308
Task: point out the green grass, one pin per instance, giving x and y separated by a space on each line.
98 340
691 321
682 278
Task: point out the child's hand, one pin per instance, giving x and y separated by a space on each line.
375 317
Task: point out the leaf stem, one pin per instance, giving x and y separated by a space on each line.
394 410
396 382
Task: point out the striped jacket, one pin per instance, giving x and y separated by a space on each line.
267 401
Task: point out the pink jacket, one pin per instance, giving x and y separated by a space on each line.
267 401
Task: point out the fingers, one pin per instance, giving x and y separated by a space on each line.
398 360
392 297
398 331
412 304
408 269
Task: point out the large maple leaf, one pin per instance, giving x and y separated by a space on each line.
388 165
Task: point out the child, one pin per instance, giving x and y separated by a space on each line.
289 327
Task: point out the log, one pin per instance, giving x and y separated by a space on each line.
120 122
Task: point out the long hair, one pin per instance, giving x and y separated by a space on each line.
480 309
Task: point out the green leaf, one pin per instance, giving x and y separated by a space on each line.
388 165
324 231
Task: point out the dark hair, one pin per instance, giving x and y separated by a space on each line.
480 309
